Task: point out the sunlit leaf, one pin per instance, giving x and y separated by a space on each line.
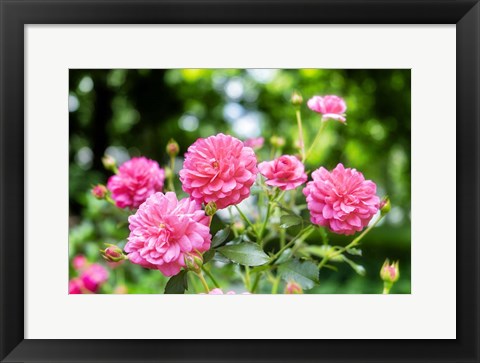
290 220
305 273
246 253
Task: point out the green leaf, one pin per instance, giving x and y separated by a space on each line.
177 284
359 269
246 253
260 268
305 273
220 258
220 237
354 251
289 220
207 256
284 256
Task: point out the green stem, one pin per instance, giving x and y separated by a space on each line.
244 217
172 173
350 245
303 234
386 287
255 283
300 132
275 284
204 283
282 237
264 225
110 200
209 274
315 141
193 283
272 153
247 277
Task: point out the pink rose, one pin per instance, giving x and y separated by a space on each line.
94 276
285 172
254 142
164 230
331 107
341 200
99 191
75 286
136 180
218 169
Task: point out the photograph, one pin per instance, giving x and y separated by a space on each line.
239 181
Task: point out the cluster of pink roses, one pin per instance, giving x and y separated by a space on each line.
221 169
91 276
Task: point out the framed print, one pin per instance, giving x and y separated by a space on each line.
323 178
255 232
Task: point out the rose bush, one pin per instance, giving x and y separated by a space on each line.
266 222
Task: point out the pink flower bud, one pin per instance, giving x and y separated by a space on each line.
390 272
99 191
296 99
193 262
238 227
79 262
385 206
109 163
121 289
293 288
172 148
210 209
277 142
113 253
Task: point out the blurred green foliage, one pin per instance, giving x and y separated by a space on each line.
128 113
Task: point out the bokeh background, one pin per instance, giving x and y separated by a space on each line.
127 113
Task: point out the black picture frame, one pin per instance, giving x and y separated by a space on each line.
15 14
